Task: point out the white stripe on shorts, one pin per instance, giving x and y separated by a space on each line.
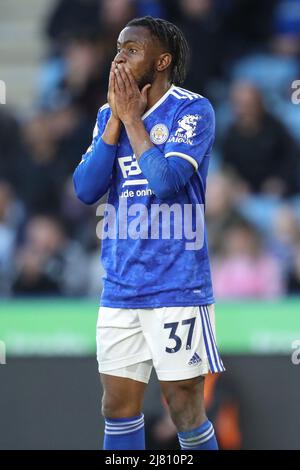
214 359
219 360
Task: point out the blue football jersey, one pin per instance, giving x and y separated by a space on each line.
146 267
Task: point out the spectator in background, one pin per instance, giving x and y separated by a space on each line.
42 175
275 64
114 14
47 262
78 218
70 18
243 269
79 76
201 26
85 80
257 146
247 25
223 193
11 149
95 271
53 140
70 130
283 235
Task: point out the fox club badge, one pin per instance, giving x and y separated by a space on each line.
186 130
159 134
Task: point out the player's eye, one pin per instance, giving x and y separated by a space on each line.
131 50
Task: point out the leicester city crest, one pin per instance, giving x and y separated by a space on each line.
159 134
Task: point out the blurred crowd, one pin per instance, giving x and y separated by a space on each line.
245 54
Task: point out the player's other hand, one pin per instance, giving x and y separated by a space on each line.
130 101
111 95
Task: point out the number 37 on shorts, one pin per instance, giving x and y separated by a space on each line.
179 342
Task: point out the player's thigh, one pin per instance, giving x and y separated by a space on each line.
121 343
122 397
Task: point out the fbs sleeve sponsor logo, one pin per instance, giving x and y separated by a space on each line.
2 92
130 167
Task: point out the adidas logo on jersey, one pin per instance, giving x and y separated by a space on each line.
195 360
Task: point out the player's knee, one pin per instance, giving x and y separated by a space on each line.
111 405
176 393
187 412
186 404
118 407
178 397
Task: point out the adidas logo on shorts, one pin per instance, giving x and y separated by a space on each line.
195 359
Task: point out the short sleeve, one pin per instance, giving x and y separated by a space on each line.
192 133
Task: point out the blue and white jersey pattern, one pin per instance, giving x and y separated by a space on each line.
148 272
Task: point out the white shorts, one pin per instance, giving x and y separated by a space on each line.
178 341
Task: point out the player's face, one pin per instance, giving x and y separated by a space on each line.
138 50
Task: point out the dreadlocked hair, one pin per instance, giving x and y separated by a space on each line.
171 37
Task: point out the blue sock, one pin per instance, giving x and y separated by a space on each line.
201 438
124 433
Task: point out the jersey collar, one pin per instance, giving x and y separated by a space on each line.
158 103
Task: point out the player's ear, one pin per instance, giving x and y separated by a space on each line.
163 62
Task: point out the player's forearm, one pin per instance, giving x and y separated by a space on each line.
138 137
93 174
112 131
166 176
